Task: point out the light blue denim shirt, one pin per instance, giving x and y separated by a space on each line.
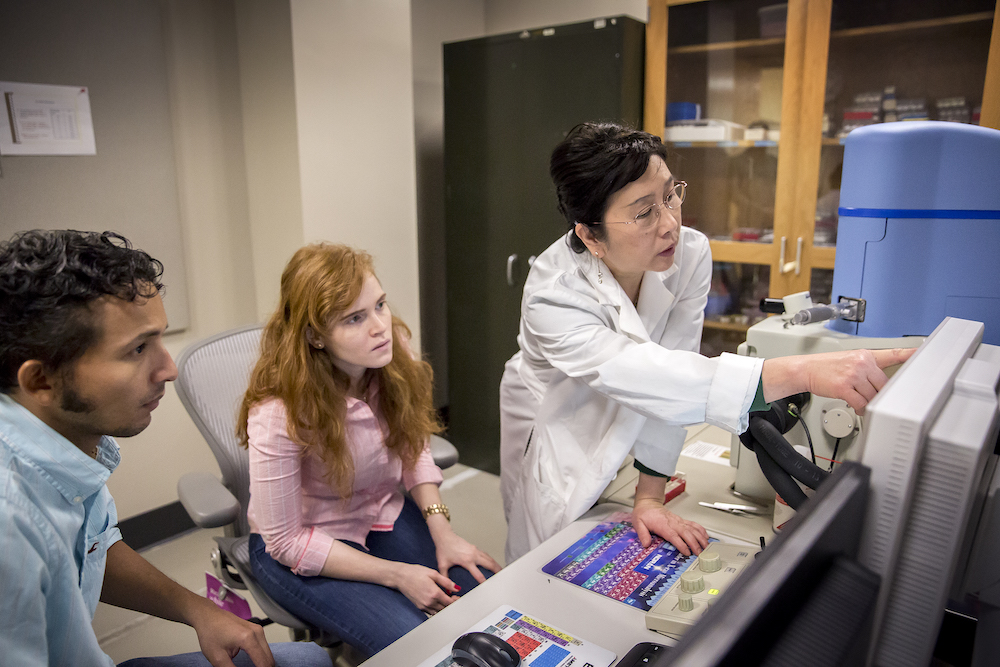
57 520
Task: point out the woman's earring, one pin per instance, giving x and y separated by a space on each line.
600 276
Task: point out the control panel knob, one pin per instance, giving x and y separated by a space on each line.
685 602
710 561
692 581
839 422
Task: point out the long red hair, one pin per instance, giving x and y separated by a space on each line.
320 282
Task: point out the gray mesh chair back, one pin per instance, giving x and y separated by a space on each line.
212 379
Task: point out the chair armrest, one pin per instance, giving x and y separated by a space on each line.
443 452
207 501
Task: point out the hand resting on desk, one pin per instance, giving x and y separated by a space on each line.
650 517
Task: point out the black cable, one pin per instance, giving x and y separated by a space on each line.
780 480
769 438
833 458
795 412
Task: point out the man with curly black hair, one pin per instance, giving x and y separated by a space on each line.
82 360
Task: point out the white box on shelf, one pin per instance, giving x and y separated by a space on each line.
704 130
761 134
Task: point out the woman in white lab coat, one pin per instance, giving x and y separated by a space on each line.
611 322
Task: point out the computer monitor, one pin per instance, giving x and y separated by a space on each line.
812 555
930 529
930 441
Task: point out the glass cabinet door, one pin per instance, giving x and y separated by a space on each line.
754 100
895 61
720 113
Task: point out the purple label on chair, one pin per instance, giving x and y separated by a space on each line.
226 598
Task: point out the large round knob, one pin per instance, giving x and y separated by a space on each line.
710 561
685 602
839 422
692 581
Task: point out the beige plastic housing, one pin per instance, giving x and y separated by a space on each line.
714 570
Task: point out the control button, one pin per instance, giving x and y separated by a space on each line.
692 581
685 602
710 561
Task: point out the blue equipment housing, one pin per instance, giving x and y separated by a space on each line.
919 231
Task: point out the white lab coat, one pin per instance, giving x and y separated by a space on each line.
597 377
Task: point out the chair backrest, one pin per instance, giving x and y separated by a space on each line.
212 377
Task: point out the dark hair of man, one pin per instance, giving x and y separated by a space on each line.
48 279
593 162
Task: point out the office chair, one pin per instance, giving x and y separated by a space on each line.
212 378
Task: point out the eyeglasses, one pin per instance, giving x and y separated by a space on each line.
650 215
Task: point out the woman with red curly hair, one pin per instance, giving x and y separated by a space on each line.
337 415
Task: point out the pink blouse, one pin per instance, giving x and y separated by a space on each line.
296 510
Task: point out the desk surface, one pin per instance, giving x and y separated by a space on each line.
711 482
582 613
595 618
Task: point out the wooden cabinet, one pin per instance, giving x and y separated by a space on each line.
768 203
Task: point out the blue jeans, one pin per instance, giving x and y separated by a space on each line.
298 654
367 616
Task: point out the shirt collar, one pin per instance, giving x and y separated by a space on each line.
74 474
370 399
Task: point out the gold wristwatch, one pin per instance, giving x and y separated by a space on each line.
437 508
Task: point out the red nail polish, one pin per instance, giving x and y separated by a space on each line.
457 588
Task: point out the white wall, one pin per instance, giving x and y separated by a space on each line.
115 48
174 60
203 80
354 106
271 143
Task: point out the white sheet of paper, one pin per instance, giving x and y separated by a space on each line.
45 120
706 451
538 644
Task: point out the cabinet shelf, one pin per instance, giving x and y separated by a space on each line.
912 25
725 326
721 144
724 46
765 42
742 252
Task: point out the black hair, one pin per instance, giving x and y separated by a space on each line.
593 162
48 279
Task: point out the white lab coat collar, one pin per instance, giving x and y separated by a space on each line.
645 321
610 293
608 290
655 301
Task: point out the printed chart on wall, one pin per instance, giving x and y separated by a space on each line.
45 120
538 644
611 561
